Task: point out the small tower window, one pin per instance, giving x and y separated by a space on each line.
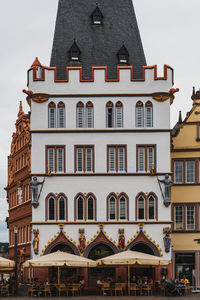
123 55
97 17
74 52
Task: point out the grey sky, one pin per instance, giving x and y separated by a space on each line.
170 35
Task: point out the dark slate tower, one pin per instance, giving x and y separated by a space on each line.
90 33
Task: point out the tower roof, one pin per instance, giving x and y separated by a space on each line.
98 44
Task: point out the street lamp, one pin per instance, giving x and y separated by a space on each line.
15 232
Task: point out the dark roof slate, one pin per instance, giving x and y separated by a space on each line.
99 44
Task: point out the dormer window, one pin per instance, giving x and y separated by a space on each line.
74 52
123 55
97 17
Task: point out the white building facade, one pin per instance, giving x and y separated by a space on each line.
100 145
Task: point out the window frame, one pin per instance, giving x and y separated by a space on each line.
117 198
80 105
84 162
148 104
56 203
116 147
119 105
85 207
146 207
49 115
196 161
110 105
184 209
138 105
146 147
89 105
58 115
55 148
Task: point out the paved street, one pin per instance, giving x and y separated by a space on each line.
191 297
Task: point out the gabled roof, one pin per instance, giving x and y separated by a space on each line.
36 63
99 45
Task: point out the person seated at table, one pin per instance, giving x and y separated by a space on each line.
82 283
46 282
151 282
99 285
163 280
139 282
133 279
54 281
184 280
68 282
119 280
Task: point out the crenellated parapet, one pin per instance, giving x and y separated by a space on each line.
43 80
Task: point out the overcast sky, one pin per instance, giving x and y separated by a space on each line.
170 35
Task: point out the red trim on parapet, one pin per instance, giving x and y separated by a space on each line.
166 67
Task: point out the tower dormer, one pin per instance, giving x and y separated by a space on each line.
123 55
38 68
74 52
97 16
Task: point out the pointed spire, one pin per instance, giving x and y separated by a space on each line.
180 117
195 94
21 112
36 63
99 44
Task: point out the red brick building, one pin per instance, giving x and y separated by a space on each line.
18 191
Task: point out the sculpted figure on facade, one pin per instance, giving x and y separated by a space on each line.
36 241
35 190
167 189
121 241
82 240
167 238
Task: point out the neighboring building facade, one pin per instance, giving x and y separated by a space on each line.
185 194
18 191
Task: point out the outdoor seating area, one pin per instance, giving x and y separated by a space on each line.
53 290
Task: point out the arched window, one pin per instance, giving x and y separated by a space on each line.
151 208
122 208
51 208
112 208
62 208
139 114
61 115
80 115
89 115
52 115
80 208
119 115
141 208
109 115
90 208
149 114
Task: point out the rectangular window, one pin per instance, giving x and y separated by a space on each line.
184 171
146 158
55 159
61 117
84 158
90 117
80 117
110 118
190 171
179 225
112 159
139 117
119 117
190 225
60 160
149 121
178 171
122 209
112 209
52 118
117 158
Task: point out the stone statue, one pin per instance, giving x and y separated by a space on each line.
82 240
36 241
19 192
167 238
167 193
34 186
121 240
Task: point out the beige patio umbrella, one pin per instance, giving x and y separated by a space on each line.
59 259
6 264
132 258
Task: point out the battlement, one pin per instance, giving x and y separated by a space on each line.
44 80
